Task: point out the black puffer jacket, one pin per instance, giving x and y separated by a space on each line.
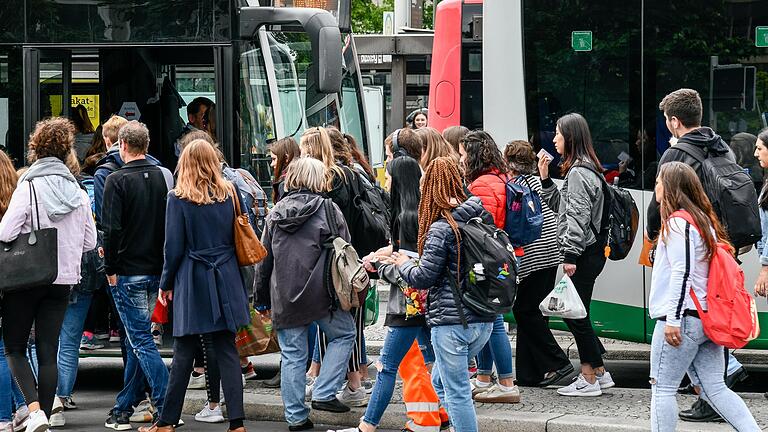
440 255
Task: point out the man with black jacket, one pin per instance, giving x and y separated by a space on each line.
683 112
133 220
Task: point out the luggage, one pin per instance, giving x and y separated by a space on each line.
524 219
345 275
370 225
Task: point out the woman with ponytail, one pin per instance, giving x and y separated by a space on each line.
444 206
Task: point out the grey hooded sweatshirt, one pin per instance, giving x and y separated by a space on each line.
290 280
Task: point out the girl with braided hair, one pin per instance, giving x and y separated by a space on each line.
444 207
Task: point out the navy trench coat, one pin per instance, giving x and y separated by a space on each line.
201 268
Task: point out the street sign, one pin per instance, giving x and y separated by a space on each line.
761 37
581 40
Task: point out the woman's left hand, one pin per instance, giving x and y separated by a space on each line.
399 259
761 286
165 297
673 335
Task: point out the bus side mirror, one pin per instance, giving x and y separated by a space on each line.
321 28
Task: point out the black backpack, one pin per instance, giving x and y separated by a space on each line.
370 227
489 270
620 212
732 194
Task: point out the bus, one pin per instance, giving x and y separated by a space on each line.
273 71
513 67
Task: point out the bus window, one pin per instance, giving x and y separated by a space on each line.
352 100
288 87
257 127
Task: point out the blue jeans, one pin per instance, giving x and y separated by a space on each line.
396 346
669 364
454 346
69 341
134 298
339 328
733 366
497 350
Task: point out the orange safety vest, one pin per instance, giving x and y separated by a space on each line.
422 405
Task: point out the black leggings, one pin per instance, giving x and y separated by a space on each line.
45 308
537 352
184 348
588 267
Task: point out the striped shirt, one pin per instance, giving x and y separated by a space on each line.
544 252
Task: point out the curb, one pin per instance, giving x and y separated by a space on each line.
262 407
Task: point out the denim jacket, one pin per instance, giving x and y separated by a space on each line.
761 245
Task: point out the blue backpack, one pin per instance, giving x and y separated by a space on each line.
524 218
87 182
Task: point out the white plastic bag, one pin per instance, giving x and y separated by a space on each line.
563 301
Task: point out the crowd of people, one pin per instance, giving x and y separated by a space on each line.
135 238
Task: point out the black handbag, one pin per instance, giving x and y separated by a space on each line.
32 260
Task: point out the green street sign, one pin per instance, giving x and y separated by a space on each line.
581 40
761 37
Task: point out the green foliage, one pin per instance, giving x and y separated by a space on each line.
367 17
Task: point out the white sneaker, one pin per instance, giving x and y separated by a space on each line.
196 382
20 419
57 420
310 384
208 415
353 398
143 412
479 386
498 395
6 426
581 387
605 381
37 422
57 405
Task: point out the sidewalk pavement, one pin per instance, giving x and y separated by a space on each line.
619 409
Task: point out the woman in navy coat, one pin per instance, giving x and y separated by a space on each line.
202 279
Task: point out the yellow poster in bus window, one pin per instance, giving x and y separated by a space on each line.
90 102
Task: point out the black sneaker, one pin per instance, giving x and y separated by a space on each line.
118 421
700 411
334 405
305 425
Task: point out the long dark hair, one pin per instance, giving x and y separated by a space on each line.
358 155
405 196
763 136
286 151
482 155
578 141
683 191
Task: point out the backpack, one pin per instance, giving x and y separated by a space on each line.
731 316
619 220
732 194
489 269
524 218
370 224
87 182
344 272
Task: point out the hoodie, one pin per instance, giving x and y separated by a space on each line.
291 279
704 140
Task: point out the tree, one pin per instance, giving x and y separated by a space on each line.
367 17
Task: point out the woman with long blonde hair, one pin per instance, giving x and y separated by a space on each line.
681 267
202 278
443 207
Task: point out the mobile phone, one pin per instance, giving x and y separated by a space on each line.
545 154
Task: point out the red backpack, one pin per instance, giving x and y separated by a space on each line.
731 316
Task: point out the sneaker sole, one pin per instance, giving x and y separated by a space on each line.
607 386
218 419
41 428
593 393
118 427
355 403
57 420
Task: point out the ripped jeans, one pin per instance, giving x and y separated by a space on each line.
668 366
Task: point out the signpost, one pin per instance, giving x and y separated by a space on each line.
581 41
761 37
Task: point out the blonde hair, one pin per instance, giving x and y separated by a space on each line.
8 179
306 173
200 180
111 127
317 144
434 146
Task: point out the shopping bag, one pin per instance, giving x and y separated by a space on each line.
256 338
372 306
645 254
160 314
563 301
